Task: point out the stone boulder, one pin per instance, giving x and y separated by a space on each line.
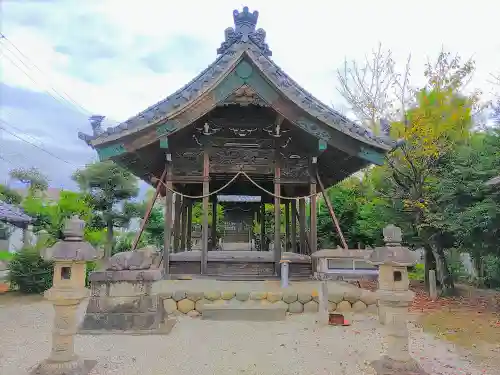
141 259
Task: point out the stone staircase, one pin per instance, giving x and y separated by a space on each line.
255 311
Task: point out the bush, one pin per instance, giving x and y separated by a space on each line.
5 255
29 272
417 272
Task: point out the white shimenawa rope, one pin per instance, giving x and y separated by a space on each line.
229 183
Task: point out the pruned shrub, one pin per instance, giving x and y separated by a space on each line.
29 272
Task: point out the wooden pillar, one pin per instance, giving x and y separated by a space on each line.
294 226
177 222
287 225
204 236
313 219
277 217
302 225
262 226
184 224
214 222
168 220
189 224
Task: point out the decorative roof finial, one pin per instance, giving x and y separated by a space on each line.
245 19
96 123
244 32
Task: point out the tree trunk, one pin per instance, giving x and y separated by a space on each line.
109 238
443 273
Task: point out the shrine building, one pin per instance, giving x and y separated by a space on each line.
240 135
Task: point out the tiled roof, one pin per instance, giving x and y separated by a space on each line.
243 37
13 215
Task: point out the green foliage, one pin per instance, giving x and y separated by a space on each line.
9 195
29 272
90 267
107 184
50 216
6 255
417 272
32 177
491 271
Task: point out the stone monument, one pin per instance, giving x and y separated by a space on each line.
68 289
394 298
122 298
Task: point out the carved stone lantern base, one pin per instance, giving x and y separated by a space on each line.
389 366
76 367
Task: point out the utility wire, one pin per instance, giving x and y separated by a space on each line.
64 96
32 144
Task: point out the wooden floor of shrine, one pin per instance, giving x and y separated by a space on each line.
238 264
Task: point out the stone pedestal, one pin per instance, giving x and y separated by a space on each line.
62 359
122 301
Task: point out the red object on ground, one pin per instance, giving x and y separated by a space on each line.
346 323
336 319
4 288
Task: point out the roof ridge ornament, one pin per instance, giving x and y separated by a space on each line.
244 32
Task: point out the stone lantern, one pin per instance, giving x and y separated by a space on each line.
68 290
394 297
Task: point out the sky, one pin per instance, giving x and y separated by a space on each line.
117 57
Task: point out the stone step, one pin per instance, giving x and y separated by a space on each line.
254 312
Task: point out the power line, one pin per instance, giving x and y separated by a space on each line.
66 97
32 144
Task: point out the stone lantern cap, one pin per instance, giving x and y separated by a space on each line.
392 253
73 247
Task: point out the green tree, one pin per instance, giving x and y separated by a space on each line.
35 180
464 208
9 195
107 185
50 216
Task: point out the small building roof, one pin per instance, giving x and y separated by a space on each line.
13 215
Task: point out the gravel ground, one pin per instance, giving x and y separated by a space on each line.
294 346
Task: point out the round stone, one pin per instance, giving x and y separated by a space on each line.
335 297
368 297
258 295
274 296
185 306
304 297
353 294
212 296
200 303
358 306
311 307
169 305
195 296
179 295
289 297
295 307
242 296
193 314
227 295
344 306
